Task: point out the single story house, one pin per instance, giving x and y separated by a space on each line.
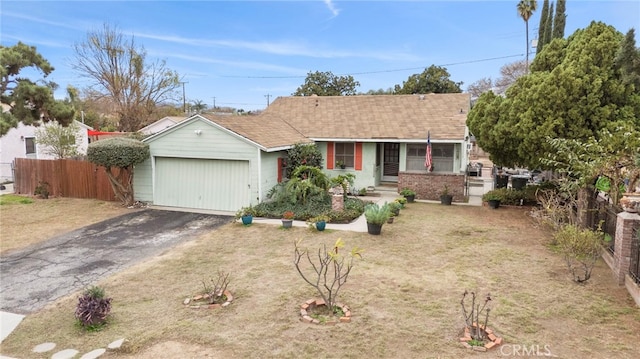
228 162
20 142
161 124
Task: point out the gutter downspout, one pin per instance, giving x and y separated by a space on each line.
259 175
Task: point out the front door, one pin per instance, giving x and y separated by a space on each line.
390 162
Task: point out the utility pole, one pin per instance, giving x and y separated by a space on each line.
184 101
267 96
214 103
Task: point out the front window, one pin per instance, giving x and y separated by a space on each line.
441 153
30 145
344 154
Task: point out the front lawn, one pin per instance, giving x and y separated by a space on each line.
404 295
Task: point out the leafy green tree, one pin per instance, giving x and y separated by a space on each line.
612 155
119 70
525 11
573 92
28 101
434 79
544 22
380 91
119 155
548 30
327 84
303 154
560 19
57 140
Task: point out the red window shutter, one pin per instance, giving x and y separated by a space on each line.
280 162
358 158
329 155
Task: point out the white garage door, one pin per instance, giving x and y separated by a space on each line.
221 185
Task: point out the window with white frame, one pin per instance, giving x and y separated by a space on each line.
30 145
441 154
344 154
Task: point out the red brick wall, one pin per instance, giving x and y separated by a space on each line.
429 185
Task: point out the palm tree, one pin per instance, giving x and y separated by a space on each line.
199 106
525 10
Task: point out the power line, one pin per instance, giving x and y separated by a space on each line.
380 71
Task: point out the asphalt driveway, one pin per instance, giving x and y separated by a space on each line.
38 275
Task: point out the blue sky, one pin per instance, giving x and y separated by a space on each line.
241 51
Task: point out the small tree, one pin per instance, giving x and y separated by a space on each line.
306 154
330 269
57 140
121 153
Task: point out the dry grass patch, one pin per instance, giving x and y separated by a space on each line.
24 224
404 295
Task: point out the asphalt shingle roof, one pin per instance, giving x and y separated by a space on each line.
290 120
403 117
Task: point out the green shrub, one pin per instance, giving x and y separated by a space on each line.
581 249
513 197
120 152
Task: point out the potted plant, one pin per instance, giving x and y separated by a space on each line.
287 219
376 216
409 194
395 207
246 214
319 222
402 201
445 196
340 164
492 198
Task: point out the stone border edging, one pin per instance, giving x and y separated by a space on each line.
312 303
189 300
494 340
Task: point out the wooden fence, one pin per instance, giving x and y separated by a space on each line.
66 178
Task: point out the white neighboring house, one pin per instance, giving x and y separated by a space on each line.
161 124
20 142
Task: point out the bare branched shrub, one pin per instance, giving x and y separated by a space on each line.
554 210
474 315
216 292
327 271
581 249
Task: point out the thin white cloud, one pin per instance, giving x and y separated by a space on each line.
241 64
332 7
282 48
69 25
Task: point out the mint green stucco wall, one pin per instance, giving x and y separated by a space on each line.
213 142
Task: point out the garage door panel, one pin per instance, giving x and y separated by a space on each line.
199 183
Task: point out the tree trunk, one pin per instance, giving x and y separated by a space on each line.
585 204
122 184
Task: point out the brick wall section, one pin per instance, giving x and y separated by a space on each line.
429 185
624 236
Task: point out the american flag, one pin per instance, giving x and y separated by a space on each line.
428 161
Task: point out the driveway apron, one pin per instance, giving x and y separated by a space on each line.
38 275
